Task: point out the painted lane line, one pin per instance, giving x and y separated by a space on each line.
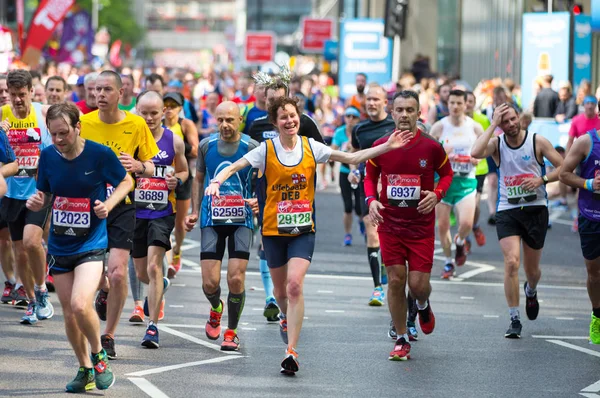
190 263
186 326
433 282
438 251
536 336
335 311
177 284
257 309
564 318
193 339
576 348
491 316
163 369
175 306
481 268
325 291
467 298
589 395
592 388
251 329
258 289
150 389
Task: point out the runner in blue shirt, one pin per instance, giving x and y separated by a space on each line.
72 178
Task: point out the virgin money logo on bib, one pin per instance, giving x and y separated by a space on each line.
150 184
397 179
61 203
288 206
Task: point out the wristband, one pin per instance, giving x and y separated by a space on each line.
589 184
143 169
215 181
369 199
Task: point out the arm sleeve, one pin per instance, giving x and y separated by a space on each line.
444 170
147 147
310 129
371 180
42 183
321 151
7 155
113 171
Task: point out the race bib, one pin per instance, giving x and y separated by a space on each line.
228 209
71 216
461 163
294 217
403 190
151 194
515 193
28 157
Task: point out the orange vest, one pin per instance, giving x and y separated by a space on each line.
290 193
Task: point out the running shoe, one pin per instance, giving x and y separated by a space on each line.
231 341
479 236
166 285
392 334
401 351
271 311
7 294
103 373
377 297
460 257
289 365
50 283
108 344
175 266
532 306
150 339
595 330
427 319
20 297
468 245
448 271
514 331
30 317
575 226
213 325
413 334
137 316
348 240
83 382
45 309
100 304
384 275
283 329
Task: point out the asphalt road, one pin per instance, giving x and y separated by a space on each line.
344 345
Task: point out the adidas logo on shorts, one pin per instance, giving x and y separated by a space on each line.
70 232
229 222
295 231
150 207
402 204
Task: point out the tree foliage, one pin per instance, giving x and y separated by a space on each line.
117 17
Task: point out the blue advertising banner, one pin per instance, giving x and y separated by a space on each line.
595 15
545 51
582 50
363 49
331 50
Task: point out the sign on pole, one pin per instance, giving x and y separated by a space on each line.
315 32
259 47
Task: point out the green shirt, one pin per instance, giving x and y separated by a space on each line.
484 122
129 107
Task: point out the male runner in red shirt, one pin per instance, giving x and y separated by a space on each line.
405 215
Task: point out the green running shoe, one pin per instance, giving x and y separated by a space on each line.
104 375
82 382
452 219
595 330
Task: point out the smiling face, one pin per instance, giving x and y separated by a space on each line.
288 120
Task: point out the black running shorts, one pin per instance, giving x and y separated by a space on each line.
528 222
17 215
120 225
213 240
589 235
154 232
64 264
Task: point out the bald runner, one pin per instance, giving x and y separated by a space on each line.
226 221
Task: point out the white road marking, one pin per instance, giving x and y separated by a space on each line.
190 263
564 318
150 389
251 329
163 369
325 291
189 244
480 268
257 309
178 284
438 251
491 316
175 306
433 281
258 289
537 336
467 298
186 326
592 387
335 311
576 348
193 339
589 395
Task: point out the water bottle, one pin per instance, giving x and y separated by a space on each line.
356 173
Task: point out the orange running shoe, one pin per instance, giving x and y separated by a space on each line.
175 266
213 325
137 316
231 341
161 313
479 236
289 365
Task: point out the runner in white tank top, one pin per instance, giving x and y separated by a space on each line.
522 214
457 132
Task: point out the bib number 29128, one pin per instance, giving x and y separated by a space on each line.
294 217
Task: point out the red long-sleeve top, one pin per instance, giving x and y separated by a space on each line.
405 174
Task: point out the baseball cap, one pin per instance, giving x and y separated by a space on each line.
351 111
176 84
178 98
590 99
80 80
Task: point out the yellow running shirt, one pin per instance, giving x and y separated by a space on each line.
290 196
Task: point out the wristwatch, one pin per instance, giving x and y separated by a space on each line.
143 169
545 178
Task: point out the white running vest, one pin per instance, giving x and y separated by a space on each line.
516 165
461 139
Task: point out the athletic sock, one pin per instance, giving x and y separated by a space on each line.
266 278
18 285
412 308
514 313
596 312
373 255
422 307
449 260
405 335
214 299
459 241
40 288
235 305
529 292
12 280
